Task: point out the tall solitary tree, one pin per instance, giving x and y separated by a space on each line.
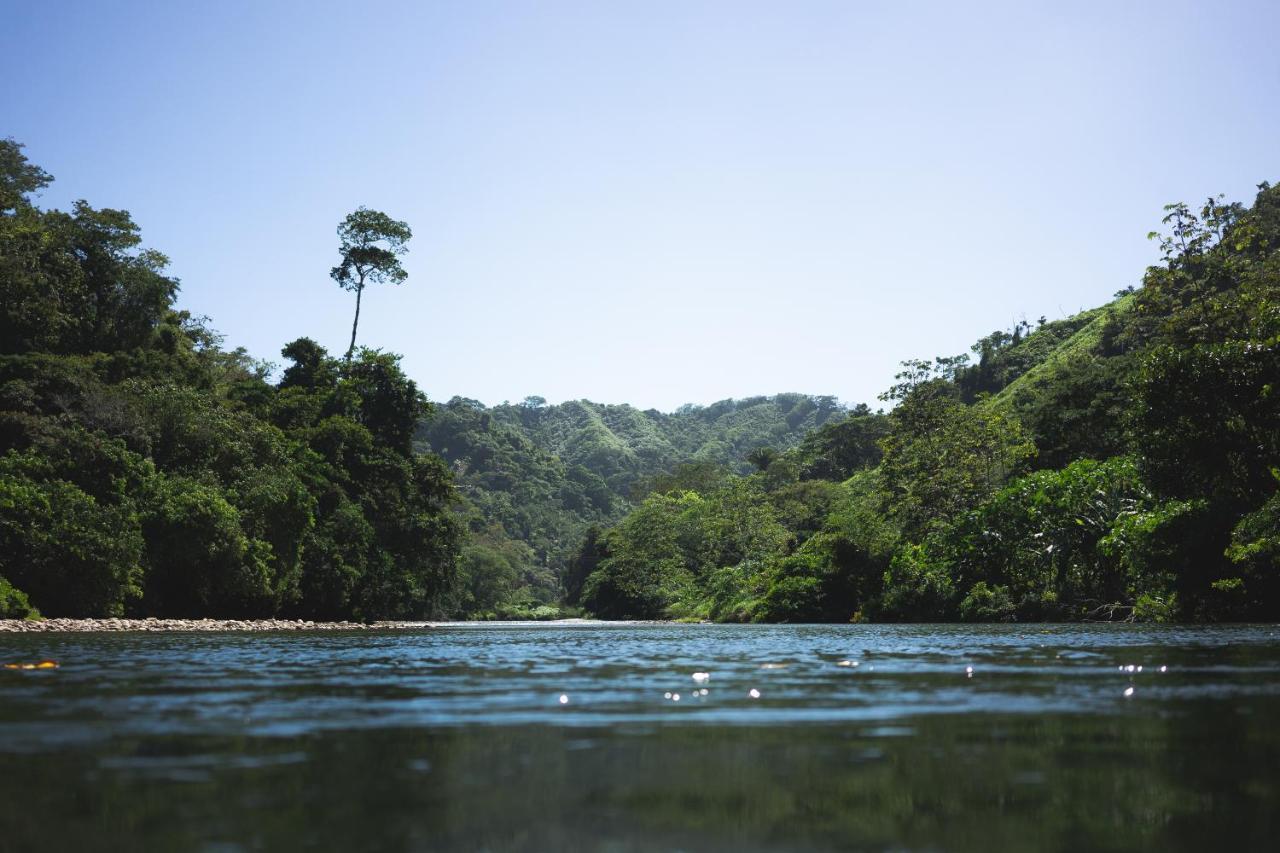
372 244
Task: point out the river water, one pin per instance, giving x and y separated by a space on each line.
570 737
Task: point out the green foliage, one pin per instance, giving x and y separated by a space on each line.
1152 608
651 560
1005 357
73 283
371 244
146 470
1254 553
917 588
700 476
18 178
1155 426
1045 542
1209 421
487 577
987 604
840 448
542 476
941 457
1221 276
795 592
1256 539
1121 463
529 612
1077 410
668 556
71 554
202 563
14 603
584 563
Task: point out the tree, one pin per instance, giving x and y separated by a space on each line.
372 244
18 177
762 457
838 449
942 457
74 555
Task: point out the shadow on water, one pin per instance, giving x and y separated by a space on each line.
456 740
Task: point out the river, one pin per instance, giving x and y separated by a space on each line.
571 737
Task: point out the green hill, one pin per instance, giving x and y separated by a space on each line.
1119 464
536 477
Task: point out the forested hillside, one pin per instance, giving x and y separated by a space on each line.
535 478
145 470
1120 464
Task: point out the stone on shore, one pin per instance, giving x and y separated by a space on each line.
153 624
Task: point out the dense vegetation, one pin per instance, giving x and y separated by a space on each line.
536 479
1120 464
145 470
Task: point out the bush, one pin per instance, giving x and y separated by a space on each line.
71 554
916 589
14 603
1151 608
795 592
987 604
202 563
1044 540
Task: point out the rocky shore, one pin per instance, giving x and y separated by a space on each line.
158 625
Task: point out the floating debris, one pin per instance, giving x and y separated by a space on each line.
847 663
701 677
564 699
753 693
44 664
1128 691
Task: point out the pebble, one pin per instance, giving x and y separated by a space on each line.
152 624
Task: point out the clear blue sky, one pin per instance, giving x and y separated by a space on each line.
652 203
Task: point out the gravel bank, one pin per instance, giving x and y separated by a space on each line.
24 626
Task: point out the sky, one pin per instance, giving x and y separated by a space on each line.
653 203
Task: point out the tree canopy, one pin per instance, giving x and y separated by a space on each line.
371 244
145 470
1119 464
1123 463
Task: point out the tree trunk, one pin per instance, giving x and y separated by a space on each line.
356 322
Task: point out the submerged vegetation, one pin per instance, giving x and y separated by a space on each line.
1122 463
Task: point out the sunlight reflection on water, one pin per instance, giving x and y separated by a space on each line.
606 736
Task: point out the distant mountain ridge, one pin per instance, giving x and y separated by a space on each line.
535 477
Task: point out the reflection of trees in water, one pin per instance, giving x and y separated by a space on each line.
970 783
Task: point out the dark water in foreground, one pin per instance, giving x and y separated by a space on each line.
456 739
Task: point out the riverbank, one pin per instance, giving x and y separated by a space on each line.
164 625
22 626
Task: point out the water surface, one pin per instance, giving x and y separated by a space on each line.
569 737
